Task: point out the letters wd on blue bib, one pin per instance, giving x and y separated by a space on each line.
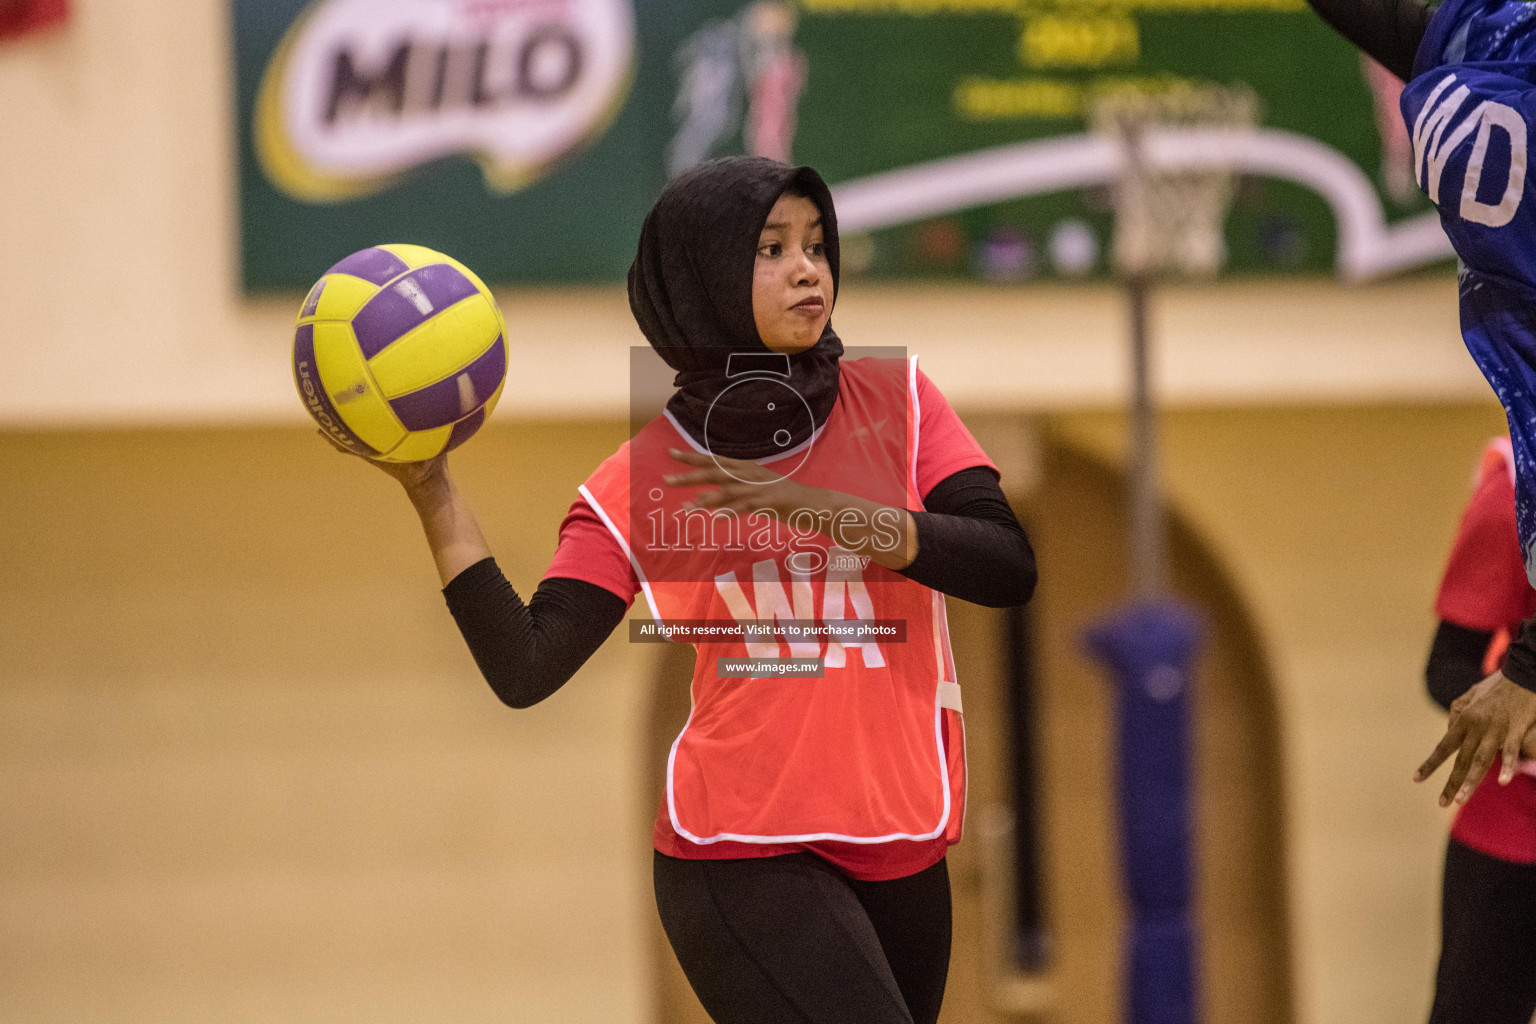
1468 109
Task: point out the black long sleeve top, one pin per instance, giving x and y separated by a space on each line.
970 545
1388 31
1455 662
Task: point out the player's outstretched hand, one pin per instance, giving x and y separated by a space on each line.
452 533
410 475
1491 718
415 476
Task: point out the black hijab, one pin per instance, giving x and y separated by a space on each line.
690 289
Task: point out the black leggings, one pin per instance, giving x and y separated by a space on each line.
1487 969
783 940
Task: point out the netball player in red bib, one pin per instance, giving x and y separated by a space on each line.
799 845
1487 972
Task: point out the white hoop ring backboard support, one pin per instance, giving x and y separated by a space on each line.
1368 247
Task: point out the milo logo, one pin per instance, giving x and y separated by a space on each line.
360 91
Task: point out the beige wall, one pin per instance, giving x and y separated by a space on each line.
248 771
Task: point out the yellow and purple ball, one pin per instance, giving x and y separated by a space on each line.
400 353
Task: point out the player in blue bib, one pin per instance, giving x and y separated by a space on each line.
1466 107
1470 68
1470 97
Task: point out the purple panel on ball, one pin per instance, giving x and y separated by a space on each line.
312 301
375 265
453 397
306 376
464 429
406 304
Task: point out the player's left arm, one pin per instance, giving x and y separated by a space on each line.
971 545
1494 717
452 532
1455 663
966 543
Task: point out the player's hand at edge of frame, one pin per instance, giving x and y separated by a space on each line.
1528 745
1494 717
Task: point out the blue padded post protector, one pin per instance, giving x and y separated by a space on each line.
1150 650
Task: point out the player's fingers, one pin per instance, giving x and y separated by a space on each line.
749 505
741 470
731 500
695 478
1477 766
1508 759
744 506
1486 752
1458 772
691 458
332 442
1509 751
1445 748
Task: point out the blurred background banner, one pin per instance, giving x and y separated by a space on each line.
528 137
514 135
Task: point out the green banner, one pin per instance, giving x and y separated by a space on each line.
527 138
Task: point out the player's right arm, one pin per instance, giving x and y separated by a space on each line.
452 532
525 651
528 651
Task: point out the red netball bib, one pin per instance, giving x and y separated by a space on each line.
855 753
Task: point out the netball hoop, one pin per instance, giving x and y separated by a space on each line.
1169 223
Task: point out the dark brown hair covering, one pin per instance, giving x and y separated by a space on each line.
690 289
